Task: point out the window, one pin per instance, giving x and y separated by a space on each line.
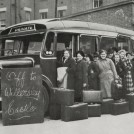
49 45
28 15
43 15
123 43
107 42
62 11
88 44
2 20
64 41
97 3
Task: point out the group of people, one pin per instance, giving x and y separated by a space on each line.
99 71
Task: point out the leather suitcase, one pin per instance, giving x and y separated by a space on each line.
130 99
106 106
94 110
75 112
62 96
120 108
55 111
92 96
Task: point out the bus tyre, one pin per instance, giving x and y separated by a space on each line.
45 100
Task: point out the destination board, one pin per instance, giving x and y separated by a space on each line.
22 97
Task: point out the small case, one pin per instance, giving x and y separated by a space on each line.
94 110
106 106
62 96
120 108
92 96
75 112
130 99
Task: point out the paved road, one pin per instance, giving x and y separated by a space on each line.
106 124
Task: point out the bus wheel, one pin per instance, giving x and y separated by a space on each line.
46 100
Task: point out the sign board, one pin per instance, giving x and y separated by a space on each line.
23 28
22 97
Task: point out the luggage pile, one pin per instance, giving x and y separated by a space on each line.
62 105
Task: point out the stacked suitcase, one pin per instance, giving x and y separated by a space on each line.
63 106
94 100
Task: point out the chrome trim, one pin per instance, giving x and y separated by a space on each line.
48 79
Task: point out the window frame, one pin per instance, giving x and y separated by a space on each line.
98 3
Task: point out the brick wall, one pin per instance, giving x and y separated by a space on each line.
118 16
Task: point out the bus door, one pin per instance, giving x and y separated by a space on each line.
123 42
65 41
107 42
48 58
88 44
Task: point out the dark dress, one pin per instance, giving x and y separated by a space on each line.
93 80
121 71
70 63
80 78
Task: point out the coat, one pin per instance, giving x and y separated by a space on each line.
121 71
107 74
93 80
81 77
70 64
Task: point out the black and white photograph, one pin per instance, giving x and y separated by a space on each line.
66 66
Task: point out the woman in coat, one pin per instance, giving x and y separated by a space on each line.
69 62
81 78
93 81
107 73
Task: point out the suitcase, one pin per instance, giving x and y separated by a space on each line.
92 96
62 96
116 90
94 110
75 112
120 108
130 99
55 111
106 106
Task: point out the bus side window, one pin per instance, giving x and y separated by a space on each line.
123 43
107 42
88 44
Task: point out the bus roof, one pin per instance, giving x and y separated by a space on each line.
40 26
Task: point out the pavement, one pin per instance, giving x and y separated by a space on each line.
106 124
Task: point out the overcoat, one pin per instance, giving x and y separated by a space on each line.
81 77
70 64
93 80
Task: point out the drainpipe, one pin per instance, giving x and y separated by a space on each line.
56 3
15 11
34 10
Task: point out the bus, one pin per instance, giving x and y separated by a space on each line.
40 43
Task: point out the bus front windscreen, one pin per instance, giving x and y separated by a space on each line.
16 47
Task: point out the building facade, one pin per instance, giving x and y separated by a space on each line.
113 12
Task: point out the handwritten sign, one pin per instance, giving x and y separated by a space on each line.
22 99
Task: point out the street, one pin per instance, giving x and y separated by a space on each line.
106 124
